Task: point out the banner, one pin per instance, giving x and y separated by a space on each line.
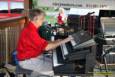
101 4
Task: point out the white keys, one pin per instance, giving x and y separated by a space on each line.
55 61
73 42
64 50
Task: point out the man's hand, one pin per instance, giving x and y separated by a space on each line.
54 44
70 37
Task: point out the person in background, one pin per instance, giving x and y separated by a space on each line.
31 46
45 31
61 18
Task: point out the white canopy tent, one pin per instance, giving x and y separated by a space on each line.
84 4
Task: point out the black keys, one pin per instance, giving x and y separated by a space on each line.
59 55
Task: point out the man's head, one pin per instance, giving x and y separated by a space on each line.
37 16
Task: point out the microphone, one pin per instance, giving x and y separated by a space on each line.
90 13
109 50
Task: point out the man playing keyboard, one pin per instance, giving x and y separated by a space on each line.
31 46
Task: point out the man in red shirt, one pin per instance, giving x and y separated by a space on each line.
31 46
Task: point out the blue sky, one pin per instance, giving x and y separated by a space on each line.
4 5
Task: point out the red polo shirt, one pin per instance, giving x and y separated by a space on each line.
30 43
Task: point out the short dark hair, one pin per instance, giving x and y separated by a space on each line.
35 12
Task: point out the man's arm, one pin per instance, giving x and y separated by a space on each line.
54 44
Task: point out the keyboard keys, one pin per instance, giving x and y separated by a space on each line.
64 50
